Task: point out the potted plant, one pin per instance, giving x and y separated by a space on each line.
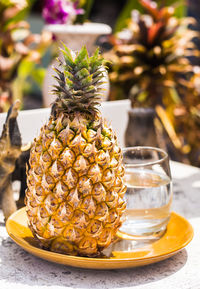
150 65
66 20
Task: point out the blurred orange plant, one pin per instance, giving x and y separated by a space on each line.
149 63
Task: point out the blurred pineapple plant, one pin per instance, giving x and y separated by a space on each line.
17 44
150 64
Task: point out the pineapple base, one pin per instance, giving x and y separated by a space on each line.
74 199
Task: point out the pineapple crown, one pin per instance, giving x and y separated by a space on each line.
78 82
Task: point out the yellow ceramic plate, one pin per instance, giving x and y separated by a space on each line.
123 254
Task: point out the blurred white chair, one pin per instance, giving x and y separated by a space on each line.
30 121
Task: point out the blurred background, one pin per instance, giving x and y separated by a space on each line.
114 13
153 55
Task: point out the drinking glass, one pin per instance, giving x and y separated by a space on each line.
149 192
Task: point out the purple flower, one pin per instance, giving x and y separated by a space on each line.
60 11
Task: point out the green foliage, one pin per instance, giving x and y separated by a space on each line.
29 75
126 14
21 15
87 6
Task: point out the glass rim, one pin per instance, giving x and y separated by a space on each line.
162 159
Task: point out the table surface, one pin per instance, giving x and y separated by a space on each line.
19 269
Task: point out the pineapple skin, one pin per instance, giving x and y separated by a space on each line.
74 199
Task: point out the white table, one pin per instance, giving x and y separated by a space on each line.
19 269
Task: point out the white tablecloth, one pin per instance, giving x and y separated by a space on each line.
19 269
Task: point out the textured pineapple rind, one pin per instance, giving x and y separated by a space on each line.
74 200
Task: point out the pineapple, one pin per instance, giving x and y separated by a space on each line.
74 200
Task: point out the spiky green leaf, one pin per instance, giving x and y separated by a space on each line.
82 56
78 82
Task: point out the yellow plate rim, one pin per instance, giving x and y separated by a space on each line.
52 256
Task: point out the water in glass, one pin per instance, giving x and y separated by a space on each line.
148 198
